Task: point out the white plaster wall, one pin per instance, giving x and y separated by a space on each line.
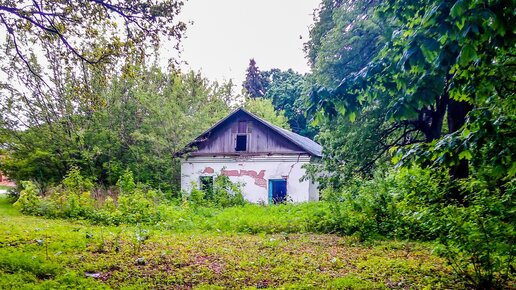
313 191
254 173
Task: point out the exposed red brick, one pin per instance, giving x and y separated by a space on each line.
258 177
208 170
230 172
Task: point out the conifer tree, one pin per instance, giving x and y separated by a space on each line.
254 83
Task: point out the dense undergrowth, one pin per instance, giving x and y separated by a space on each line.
477 240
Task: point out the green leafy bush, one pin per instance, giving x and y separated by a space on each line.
138 206
73 199
28 201
223 193
478 239
227 193
367 209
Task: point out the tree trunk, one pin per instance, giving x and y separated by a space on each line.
434 124
457 112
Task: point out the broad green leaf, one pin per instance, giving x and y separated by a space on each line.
465 155
341 108
352 117
458 8
467 55
430 49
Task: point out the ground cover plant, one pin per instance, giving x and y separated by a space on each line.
48 253
476 241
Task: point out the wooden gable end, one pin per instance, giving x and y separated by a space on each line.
260 139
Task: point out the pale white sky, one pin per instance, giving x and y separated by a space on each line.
227 33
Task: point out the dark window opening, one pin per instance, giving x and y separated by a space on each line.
242 127
277 191
207 185
241 143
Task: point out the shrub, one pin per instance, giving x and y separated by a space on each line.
366 210
73 199
478 239
138 206
476 236
29 201
75 182
126 182
224 193
227 193
196 195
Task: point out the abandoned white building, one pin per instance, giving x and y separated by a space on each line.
266 159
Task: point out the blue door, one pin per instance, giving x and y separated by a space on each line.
277 191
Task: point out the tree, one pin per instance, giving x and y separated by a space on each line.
264 108
60 55
286 89
344 39
438 65
143 118
323 22
440 92
91 30
254 83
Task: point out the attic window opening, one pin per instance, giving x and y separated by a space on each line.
241 143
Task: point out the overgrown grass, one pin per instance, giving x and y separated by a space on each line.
45 253
249 218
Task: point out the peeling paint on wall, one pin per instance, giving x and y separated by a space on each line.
253 174
258 177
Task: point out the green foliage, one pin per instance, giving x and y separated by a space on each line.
141 119
254 83
126 182
28 201
409 203
223 193
75 200
196 195
352 149
264 108
286 89
227 193
345 36
137 207
74 181
12 262
91 38
367 210
478 240
434 81
273 219
36 162
354 282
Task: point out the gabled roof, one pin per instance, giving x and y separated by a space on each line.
304 143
